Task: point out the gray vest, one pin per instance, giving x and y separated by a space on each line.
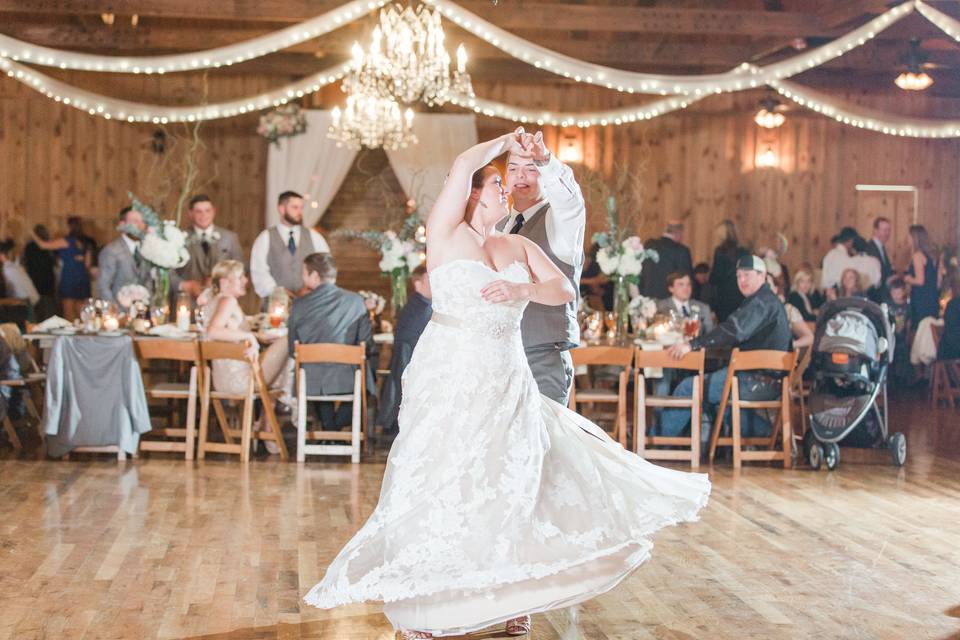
544 325
287 269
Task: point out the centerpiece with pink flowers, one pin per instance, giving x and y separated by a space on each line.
621 257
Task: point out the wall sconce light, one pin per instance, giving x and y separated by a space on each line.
107 18
571 150
767 159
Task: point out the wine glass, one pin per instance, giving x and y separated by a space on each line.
691 324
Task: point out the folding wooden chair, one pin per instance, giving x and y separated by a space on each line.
648 446
799 390
784 361
256 388
328 353
944 376
605 356
31 382
152 350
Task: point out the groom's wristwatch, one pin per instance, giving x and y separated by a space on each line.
543 163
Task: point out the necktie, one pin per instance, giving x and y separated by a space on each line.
291 244
137 258
517 224
686 311
205 243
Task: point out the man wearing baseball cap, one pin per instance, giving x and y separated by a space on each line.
760 322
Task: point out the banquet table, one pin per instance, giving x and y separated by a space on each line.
94 395
923 351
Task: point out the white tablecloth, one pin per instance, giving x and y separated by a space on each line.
924 349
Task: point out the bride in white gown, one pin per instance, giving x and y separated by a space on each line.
497 502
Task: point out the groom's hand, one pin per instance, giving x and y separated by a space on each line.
534 146
505 291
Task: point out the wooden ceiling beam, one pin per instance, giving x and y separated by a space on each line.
527 15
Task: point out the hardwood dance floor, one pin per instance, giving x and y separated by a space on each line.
161 548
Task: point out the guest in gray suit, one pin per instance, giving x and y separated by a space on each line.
548 208
680 287
328 313
208 244
120 261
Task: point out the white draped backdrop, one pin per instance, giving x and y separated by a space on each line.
313 165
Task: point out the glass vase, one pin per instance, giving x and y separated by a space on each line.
621 307
398 291
160 299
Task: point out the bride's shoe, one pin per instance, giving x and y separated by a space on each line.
413 635
519 626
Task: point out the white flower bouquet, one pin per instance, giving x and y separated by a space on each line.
374 302
285 121
163 246
131 294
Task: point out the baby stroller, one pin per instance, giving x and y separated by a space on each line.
852 351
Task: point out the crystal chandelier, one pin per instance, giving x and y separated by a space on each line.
373 122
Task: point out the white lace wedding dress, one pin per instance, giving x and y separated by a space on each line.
497 501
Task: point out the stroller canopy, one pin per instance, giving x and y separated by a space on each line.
850 332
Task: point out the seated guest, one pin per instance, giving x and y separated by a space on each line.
760 322
949 348
120 261
800 295
411 323
802 334
673 256
702 289
76 260
847 254
849 285
15 277
327 313
207 244
680 286
899 306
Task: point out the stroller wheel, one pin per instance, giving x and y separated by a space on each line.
898 448
808 441
831 455
815 456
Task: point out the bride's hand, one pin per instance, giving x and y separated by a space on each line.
505 291
514 140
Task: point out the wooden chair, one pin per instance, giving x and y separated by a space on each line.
30 383
784 361
152 350
605 356
944 376
799 390
256 388
332 354
647 446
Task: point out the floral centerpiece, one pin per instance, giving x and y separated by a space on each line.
163 245
642 310
621 258
133 294
400 252
285 121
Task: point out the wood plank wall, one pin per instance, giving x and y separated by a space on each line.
696 165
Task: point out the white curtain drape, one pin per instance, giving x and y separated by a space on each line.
311 164
422 168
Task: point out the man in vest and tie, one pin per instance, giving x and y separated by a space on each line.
207 244
276 259
548 208
877 247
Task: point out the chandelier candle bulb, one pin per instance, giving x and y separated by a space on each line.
461 59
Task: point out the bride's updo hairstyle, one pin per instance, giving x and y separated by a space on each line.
224 269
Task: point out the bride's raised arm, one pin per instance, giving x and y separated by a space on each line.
448 210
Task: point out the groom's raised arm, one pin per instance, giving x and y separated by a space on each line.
567 221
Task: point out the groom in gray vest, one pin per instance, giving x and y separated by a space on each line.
548 209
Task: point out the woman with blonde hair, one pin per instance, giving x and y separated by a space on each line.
850 285
800 294
923 278
228 323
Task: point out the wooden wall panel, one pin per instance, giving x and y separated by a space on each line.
697 165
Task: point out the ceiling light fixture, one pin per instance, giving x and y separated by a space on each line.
769 116
914 78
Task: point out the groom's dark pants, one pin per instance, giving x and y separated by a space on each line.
552 368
